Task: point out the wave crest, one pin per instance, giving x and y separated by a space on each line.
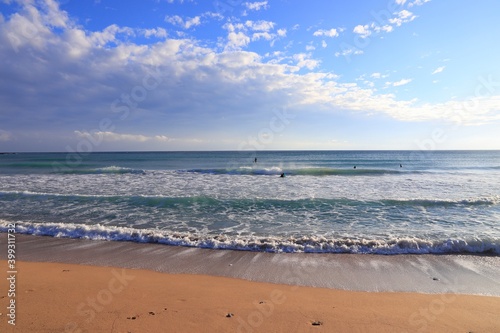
305 244
311 203
275 170
105 170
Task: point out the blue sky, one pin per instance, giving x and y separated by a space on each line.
229 74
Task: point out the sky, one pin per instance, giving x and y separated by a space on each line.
166 75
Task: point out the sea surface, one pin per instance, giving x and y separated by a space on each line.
380 202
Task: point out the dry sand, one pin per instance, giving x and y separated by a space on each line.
57 297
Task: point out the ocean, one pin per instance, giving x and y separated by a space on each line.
377 202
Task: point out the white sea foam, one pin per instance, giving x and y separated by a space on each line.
308 244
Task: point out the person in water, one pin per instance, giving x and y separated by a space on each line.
282 175
255 160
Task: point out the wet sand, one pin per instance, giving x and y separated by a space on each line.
67 285
463 274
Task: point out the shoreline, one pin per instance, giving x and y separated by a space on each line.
425 274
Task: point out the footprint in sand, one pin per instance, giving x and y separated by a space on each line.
151 313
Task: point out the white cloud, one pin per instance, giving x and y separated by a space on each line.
362 30
310 48
176 20
162 138
111 136
262 35
214 15
402 16
238 36
399 18
327 33
348 52
191 22
256 5
260 25
108 136
158 32
369 83
236 40
304 60
282 32
438 70
186 24
401 82
109 35
180 1
377 75
384 28
417 3
366 30
233 27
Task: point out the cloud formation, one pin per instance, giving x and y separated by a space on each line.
384 25
438 70
401 82
60 75
326 33
112 136
256 5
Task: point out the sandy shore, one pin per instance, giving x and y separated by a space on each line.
56 297
70 285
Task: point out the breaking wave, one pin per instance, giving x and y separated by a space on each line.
304 244
105 170
299 171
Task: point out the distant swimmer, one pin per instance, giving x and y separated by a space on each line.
354 167
255 160
282 175
401 165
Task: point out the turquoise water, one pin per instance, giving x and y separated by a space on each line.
392 202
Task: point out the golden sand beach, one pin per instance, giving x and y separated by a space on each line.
57 297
